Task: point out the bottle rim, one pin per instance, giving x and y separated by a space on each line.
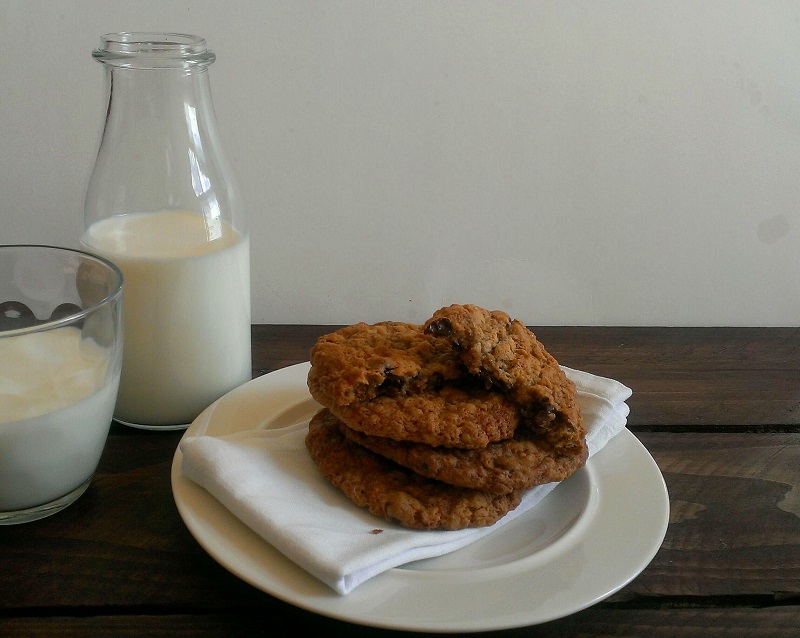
153 50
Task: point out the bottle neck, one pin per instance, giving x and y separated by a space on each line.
148 94
158 81
160 147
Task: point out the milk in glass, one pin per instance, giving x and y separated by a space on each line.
54 416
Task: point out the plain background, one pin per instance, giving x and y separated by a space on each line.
571 163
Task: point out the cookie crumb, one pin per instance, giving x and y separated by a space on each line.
376 531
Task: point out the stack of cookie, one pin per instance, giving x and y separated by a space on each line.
442 425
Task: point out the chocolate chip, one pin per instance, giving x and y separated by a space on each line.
391 383
440 328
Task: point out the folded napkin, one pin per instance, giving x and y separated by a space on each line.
267 479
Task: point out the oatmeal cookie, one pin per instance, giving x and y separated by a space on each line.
451 416
452 382
519 463
395 493
359 362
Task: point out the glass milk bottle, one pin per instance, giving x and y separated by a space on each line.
163 205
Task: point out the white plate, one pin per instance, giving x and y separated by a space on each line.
590 537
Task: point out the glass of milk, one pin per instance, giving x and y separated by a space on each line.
163 204
60 360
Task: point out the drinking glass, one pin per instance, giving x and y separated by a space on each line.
60 360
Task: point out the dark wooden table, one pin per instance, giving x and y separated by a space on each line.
718 408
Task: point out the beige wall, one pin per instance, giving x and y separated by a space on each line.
569 162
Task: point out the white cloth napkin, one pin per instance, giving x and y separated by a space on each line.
267 479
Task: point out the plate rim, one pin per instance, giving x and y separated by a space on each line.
190 499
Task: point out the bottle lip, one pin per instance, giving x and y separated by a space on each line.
153 50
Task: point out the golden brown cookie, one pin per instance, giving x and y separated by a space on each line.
446 383
451 416
519 463
395 493
359 362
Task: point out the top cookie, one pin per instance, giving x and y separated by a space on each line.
461 345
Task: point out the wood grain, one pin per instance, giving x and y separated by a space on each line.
769 622
735 521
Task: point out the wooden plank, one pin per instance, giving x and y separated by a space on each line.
735 517
742 377
769 622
